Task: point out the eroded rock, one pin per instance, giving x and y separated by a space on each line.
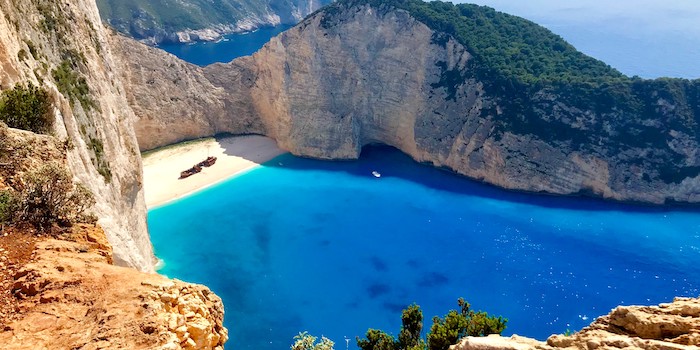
674 325
73 297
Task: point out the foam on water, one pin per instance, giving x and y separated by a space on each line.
328 247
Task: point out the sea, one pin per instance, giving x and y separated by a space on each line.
336 248
229 47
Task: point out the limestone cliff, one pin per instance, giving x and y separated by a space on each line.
71 296
674 325
63 47
356 73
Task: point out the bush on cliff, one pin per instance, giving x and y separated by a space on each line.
28 108
7 202
305 341
443 333
49 197
467 322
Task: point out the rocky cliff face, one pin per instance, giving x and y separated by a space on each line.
362 75
71 296
674 325
63 47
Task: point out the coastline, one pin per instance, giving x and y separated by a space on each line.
235 155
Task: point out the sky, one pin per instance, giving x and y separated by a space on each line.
649 38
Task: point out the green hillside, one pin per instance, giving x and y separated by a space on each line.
529 71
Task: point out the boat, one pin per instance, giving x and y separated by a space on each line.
198 167
376 174
207 162
191 171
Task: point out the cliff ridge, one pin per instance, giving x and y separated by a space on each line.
363 72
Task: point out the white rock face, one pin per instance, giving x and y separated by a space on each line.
33 43
353 75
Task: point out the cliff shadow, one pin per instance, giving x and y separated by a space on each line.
381 161
255 148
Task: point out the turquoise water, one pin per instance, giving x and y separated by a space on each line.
326 247
232 46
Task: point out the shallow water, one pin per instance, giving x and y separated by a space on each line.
327 247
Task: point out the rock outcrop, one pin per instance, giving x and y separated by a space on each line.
674 325
63 47
356 74
68 294
71 297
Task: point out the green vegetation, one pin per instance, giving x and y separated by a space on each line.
48 197
22 55
28 108
101 164
507 48
305 341
444 332
7 203
467 322
52 20
71 84
541 85
32 49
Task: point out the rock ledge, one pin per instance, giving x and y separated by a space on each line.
674 325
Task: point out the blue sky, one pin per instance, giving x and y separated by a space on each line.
650 38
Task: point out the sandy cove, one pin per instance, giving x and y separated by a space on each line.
235 154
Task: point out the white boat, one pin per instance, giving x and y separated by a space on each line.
376 174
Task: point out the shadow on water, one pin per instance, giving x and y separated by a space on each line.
390 162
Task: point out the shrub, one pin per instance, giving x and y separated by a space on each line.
49 196
411 326
32 49
73 86
443 333
7 204
22 55
305 341
376 339
456 325
27 108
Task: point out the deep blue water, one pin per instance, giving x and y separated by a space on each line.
232 46
299 244
328 248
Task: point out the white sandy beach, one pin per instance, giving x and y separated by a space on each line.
235 154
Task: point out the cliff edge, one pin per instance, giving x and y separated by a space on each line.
62 47
69 296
